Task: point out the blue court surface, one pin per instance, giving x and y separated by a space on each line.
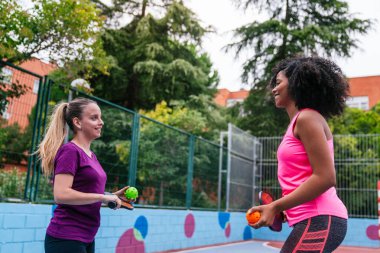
238 247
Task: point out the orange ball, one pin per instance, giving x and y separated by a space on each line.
253 217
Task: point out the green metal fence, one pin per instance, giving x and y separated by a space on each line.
357 164
17 134
170 167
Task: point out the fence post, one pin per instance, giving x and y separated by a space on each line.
44 117
190 169
31 157
134 149
38 130
221 171
229 145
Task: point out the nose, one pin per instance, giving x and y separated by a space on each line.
274 90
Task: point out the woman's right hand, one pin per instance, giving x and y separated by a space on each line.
268 213
111 198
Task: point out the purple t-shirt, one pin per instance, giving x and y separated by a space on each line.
78 222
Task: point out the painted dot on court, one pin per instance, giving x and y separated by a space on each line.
189 225
373 232
227 230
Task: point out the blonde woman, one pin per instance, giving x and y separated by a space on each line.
79 179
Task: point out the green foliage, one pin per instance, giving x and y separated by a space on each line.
318 27
262 118
164 153
205 175
356 121
113 148
13 143
158 59
12 184
8 89
162 163
198 116
66 29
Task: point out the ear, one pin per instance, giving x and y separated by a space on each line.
76 123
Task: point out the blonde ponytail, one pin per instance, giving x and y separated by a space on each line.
53 140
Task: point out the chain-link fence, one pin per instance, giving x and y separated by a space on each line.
170 167
243 171
17 117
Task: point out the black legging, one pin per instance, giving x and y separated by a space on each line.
57 245
319 234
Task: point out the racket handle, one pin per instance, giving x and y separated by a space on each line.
112 204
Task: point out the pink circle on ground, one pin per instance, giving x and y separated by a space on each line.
373 232
227 230
128 243
189 225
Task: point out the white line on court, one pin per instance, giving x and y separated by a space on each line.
212 247
265 244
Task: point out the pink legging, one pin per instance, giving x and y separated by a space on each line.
319 234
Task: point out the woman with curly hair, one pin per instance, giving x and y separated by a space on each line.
310 89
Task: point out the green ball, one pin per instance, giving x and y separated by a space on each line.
131 193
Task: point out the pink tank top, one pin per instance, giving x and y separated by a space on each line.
293 169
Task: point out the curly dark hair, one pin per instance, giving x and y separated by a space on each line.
314 82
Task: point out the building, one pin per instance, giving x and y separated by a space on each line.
364 92
18 109
227 98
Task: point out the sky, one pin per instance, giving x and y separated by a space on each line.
224 17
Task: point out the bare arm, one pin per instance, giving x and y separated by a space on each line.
65 194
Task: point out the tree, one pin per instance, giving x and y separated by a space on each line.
65 31
158 58
9 90
164 154
318 27
357 150
356 121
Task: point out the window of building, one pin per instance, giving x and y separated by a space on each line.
6 75
232 102
361 102
36 85
6 114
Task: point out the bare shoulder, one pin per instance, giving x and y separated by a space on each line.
311 117
309 122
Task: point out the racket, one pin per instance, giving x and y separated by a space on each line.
124 204
265 198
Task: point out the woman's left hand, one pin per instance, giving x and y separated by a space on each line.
120 194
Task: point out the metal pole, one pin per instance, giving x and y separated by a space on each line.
45 116
229 166
254 171
221 143
31 157
190 170
38 131
134 150
70 97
